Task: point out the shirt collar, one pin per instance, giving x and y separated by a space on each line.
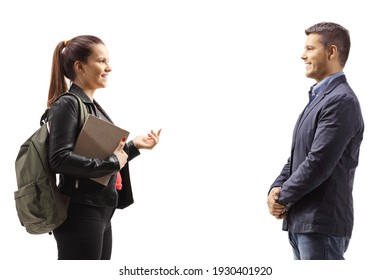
317 88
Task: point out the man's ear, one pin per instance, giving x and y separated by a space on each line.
332 52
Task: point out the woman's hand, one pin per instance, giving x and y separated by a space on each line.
147 141
120 153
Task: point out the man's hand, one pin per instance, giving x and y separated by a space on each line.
276 209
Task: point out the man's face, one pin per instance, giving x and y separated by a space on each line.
316 59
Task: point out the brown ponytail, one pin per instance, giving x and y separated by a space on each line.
57 79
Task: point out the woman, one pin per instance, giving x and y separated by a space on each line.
86 233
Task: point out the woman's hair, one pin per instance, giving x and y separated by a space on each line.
333 34
65 55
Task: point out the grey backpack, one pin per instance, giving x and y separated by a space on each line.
39 205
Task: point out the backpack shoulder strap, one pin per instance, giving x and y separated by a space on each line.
82 108
44 117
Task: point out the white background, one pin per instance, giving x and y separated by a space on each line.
225 81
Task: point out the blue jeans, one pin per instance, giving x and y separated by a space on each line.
318 246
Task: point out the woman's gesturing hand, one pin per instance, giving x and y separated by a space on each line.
147 141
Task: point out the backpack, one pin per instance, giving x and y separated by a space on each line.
39 205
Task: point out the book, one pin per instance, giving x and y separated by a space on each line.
99 139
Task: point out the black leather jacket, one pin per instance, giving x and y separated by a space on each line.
75 170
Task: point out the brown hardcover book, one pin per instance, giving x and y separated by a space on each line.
99 139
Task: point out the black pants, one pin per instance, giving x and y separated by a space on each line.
85 234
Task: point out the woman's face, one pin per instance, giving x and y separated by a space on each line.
94 73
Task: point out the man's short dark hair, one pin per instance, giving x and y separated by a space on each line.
333 34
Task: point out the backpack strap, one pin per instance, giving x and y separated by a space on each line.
82 109
44 117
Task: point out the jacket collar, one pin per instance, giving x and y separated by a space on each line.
93 104
328 89
330 86
79 91
321 86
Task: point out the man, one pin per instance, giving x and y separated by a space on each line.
313 193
